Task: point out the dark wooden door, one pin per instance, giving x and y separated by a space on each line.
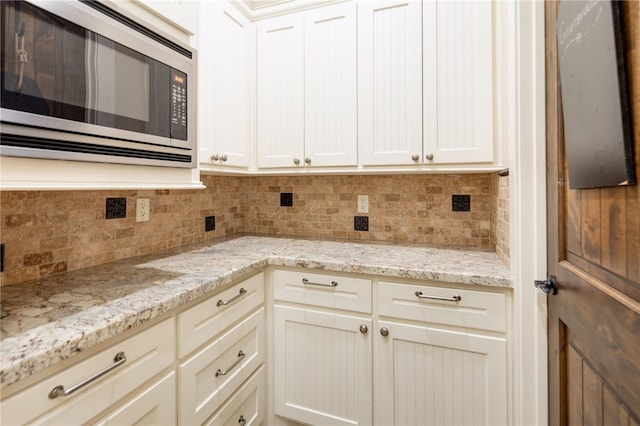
594 250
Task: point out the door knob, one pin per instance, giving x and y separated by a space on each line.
548 286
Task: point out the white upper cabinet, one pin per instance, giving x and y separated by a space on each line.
180 13
425 81
390 82
458 82
280 91
331 132
226 46
307 89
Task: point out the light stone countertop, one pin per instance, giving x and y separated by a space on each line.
50 319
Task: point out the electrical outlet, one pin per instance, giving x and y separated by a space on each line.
363 204
142 210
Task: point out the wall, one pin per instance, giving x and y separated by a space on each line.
47 232
500 216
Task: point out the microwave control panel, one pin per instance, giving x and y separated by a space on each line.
178 105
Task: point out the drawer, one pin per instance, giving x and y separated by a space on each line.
204 321
330 291
147 353
214 373
475 309
156 405
246 407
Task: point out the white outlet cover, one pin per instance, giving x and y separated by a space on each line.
142 210
363 204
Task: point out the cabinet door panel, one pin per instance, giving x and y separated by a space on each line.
322 371
225 59
389 81
247 404
330 86
458 81
156 405
429 376
280 91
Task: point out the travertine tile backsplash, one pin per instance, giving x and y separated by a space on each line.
47 232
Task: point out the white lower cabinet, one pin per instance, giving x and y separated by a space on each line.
322 371
247 406
436 356
128 366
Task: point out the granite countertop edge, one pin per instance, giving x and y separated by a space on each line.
33 350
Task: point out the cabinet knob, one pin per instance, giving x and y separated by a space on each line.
296 161
429 156
364 328
215 157
307 160
242 421
224 157
415 157
384 331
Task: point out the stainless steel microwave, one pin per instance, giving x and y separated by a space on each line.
81 81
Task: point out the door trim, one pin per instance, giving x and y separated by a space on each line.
527 183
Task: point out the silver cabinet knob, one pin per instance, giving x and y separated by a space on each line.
224 157
429 156
384 331
296 161
364 328
242 421
215 157
415 157
307 160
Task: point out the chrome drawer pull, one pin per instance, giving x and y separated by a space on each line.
454 298
241 293
119 359
241 356
332 284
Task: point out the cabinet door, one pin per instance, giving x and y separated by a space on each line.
458 82
322 367
225 83
330 86
156 405
390 82
280 82
430 376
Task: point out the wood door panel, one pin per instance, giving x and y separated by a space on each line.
594 250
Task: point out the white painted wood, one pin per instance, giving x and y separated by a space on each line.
156 405
431 376
201 392
204 321
148 353
389 81
351 294
180 13
226 47
330 86
247 403
323 367
458 81
476 309
280 98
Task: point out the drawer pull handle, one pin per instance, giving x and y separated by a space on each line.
454 298
241 356
59 390
242 421
332 284
241 293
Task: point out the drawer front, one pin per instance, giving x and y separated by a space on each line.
147 353
475 309
214 373
156 405
330 291
246 407
207 319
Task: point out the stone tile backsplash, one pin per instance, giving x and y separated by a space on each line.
47 232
